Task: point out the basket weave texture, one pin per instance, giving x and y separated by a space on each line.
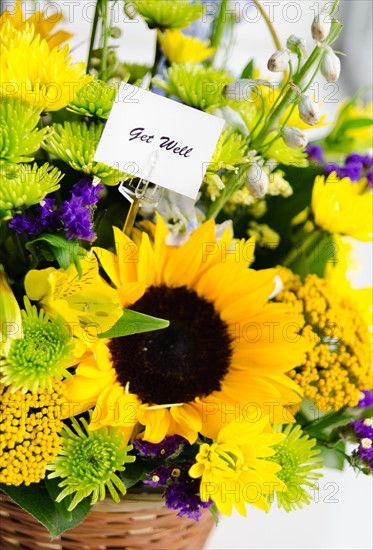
141 521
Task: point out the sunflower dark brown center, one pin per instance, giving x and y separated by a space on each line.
173 365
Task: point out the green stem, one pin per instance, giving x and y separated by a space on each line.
93 36
157 57
271 28
235 182
104 38
218 27
302 249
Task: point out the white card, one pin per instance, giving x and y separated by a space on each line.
143 125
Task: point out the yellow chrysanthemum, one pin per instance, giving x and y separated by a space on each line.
87 304
42 25
339 365
179 48
338 273
31 71
341 206
227 349
234 469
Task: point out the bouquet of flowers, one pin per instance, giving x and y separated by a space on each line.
211 350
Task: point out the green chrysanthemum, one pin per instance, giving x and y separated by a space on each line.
19 135
88 462
164 15
25 185
95 99
197 86
229 151
279 151
299 458
75 143
36 359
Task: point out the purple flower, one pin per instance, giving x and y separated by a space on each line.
364 429
330 167
170 446
354 157
76 220
315 152
89 193
367 400
353 170
160 476
44 216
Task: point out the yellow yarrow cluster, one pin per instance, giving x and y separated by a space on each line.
29 432
338 367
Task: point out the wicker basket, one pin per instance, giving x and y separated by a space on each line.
141 521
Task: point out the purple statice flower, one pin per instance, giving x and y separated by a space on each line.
160 476
367 400
315 152
169 447
364 429
353 171
354 157
183 494
330 167
88 192
44 216
76 219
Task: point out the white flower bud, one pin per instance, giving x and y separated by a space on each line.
257 180
233 118
293 137
241 89
296 44
278 61
308 110
330 66
321 26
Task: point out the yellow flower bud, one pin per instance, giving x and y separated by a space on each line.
10 315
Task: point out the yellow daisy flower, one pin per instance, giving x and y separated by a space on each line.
31 71
234 469
42 25
227 349
341 206
179 48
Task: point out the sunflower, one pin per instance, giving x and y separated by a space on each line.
226 352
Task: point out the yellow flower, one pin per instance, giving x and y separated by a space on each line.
31 71
30 424
338 273
339 365
341 206
87 304
42 25
179 48
10 315
234 469
226 350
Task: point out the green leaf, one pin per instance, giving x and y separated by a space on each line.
56 247
355 123
36 500
134 473
133 322
334 458
248 70
215 513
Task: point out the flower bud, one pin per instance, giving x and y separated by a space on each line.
10 315
241 89
293 137
257 180
330 66
296 44
278 61
233 118
308 110
321 26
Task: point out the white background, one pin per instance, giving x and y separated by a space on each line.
342 521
